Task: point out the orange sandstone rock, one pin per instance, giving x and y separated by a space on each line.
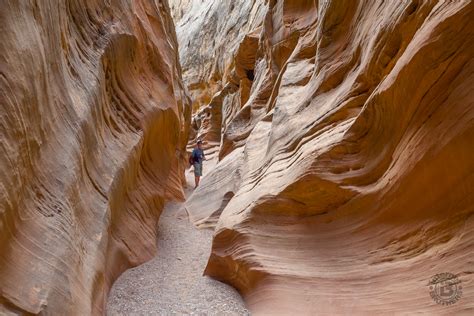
94 123
210 33
346 178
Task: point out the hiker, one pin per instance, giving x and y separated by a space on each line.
197 156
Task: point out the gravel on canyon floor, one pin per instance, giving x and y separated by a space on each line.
172 283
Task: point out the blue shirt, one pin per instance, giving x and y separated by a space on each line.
198 155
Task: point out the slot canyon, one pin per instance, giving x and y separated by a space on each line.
339 169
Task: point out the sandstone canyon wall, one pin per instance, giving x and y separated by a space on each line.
93 128
210 32
346 145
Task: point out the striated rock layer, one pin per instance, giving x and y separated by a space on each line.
346 175
93 129
210 32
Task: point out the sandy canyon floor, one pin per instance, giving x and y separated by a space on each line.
172 283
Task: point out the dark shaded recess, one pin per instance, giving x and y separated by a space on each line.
250 74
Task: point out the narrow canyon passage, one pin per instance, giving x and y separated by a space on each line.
340 139
172 282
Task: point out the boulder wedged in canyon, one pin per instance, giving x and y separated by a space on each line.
345 179
93 129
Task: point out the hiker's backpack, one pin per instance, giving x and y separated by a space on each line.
191 159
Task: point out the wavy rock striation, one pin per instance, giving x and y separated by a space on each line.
345 179
210 32
93 131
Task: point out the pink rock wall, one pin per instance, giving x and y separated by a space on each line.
345 180
93 128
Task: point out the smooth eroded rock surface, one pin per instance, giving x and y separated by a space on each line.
210 33
346 147
93 128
